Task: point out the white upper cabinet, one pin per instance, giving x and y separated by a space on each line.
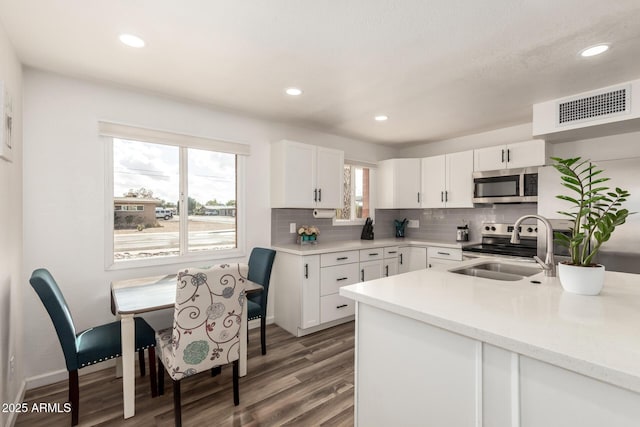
517 155
305 176
447 181
399 184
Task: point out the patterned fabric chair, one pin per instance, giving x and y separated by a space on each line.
260 265
92 346
206 326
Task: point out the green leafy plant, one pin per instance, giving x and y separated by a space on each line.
597 210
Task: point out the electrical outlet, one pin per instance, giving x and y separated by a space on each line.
12 366
292 227
413 223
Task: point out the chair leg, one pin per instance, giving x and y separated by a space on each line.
160 377
236 391
263 334
177 408
216 371
141 363
152 372
74 396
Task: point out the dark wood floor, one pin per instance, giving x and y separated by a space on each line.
304 381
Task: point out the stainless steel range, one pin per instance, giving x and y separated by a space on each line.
495 241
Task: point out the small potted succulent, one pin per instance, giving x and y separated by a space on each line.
308 234
597 211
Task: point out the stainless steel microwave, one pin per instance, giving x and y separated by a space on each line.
506 186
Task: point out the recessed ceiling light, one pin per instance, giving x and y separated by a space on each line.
594 50
381 118
131 40
293 91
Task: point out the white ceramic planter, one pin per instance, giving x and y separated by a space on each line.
581 280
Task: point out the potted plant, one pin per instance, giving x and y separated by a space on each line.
596 213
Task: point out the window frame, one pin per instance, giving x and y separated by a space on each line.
185 256
372 192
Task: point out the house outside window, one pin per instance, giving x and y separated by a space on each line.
357 195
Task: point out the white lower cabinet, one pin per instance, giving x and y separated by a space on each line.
310 291
370 270
334 307
411 258
443 257
451 380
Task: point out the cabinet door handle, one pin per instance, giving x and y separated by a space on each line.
400 258
418 197
341 306
306 271
341 279
392 252
503 155
442 196
362 274
508 155
374 254
446 196
444 253
342 258
320 194
315 194
386 271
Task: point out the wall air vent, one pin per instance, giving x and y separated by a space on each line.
595 106
606 111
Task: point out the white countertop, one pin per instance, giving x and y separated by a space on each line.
597 336
350 245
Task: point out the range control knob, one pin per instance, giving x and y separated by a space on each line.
536 229
493 228
530 230
487 228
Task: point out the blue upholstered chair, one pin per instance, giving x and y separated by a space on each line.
206 326
94 345
260 265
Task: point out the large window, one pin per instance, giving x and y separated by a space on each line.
357 200
172 201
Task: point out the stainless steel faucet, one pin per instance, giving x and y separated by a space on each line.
549 264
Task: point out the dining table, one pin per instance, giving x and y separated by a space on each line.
133 297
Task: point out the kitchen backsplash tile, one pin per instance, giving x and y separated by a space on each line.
435 224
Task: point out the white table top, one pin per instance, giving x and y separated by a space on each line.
150 293
597 336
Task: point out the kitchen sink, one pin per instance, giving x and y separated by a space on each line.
498 271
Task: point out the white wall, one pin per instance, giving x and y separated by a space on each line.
11 279
64 190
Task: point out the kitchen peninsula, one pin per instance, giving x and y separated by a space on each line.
439 348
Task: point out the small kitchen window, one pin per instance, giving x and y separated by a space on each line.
357 201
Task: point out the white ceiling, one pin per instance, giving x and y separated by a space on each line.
437 68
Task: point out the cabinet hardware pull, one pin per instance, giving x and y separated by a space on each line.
342 258
320 194
444 253
442 196
446 196
342 306
393 252
508 155
386 269
418 197
315 194
306 271
341 279
362 274
400 258
503 155
374 254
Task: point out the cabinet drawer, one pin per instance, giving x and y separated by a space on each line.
337 258
444 253
371 254
331 278
391 252
334 307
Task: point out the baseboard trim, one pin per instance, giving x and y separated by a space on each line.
13 416
255 323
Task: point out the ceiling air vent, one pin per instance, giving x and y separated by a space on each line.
595 106
605 111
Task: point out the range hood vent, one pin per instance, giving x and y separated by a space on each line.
601 112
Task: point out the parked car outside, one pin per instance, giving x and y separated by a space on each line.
164 213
